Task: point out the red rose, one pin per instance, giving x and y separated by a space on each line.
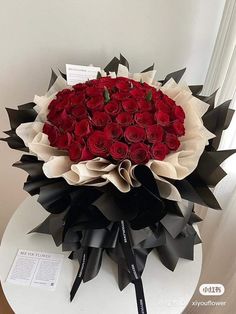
66 122
144 119
54 116
57 104
119 150
79 112
52 133
172 141
159 151
130 105
178 128
107 82
77 99
170 102
64 93
100 119
139 153
79 87
83 128
137 93
112 108
75 151
96 103
162 118
86 154
156 95
179 113
144 105
78 152
63 141
113 131
122 84
134 134
94 91
154 133
162 106
99 144
120 96
124 118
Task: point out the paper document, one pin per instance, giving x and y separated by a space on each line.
79 73
36 269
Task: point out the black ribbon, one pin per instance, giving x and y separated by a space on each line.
132 267
80 275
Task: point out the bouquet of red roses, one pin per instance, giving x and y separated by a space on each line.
115 118
119 162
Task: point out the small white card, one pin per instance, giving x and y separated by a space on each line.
79 73
36 269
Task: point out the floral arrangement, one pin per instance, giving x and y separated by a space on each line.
119 162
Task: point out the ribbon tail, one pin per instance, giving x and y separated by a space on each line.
80 275
132 267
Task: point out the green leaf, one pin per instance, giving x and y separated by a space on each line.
99 75
106 95
149 96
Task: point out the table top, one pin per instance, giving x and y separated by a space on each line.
166 292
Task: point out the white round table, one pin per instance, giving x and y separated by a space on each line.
165 291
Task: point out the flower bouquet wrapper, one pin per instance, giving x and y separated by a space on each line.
131 210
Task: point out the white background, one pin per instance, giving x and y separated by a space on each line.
37 35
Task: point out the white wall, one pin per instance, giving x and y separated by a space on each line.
35 35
